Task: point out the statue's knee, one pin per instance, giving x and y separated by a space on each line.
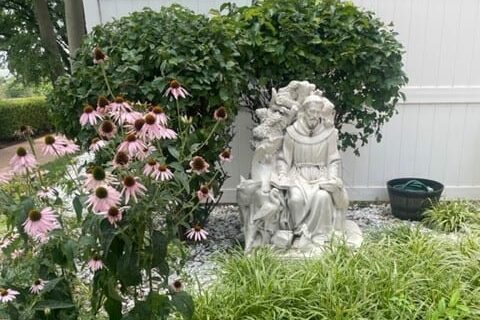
323 195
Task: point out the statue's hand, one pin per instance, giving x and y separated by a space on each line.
331 185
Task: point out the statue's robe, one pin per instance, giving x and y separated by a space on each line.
308 158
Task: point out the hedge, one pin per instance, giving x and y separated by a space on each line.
23 111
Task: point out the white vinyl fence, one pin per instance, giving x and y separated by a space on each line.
436 133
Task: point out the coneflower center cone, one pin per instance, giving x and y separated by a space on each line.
107 126
21 152
34 215
198 163
150 119
138 124
121 158
98 173
49 140
129 181
101 193
113 212
131 138
174 84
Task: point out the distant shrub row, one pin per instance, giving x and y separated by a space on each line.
23 111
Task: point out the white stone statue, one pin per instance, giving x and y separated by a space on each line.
295 199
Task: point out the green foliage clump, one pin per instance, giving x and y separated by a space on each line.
234 57
147 50
347 52
15 113
398 274
452 216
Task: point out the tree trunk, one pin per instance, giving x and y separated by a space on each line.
47 34
75 19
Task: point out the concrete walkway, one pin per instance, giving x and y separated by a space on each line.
7 153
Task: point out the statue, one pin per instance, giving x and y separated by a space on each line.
295 198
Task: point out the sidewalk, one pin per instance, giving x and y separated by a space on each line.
7 153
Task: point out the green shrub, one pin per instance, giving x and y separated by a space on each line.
23 111
400 274
347 52
452 216
146 50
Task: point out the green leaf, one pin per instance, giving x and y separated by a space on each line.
173 151
53 304
183 303
113 308
78 207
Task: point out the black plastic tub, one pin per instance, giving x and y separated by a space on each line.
410 205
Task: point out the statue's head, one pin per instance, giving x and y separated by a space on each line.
311 110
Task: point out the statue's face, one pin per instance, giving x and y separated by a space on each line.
312 115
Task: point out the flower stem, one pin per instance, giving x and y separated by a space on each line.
206 140
102 66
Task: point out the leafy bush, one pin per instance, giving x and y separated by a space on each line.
146 50
345 51
452 216
23 111
399 274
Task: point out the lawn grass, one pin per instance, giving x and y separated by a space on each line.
397 274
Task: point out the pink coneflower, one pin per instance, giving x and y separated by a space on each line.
37 286
39 223
99 56
46 193
102 104
103 199
151 168
97 177
121 160
132 145
160 115
97 144
68 146
176 90
5 177
22 161
119 105
147 152
150 129
8 295
113 215
107 129
132 188
17 253
126 117
6 242
196 233
164 173
226 155
204 193
59 146
52 146
95 263
166 133
198 165
89 116
220 114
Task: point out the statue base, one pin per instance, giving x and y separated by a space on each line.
288 247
